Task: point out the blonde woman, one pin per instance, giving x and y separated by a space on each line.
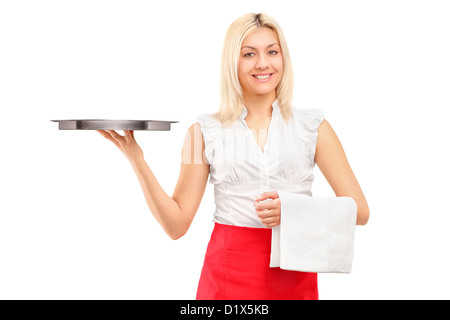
255 144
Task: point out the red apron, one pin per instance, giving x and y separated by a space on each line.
236 267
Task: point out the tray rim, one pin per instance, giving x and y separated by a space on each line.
114 124
114 120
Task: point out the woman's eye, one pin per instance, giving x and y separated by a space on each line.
252 54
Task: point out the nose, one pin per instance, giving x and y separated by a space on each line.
262 62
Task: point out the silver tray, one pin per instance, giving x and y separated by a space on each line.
103 124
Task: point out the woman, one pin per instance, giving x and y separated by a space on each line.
254 145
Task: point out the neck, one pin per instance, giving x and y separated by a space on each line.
259 106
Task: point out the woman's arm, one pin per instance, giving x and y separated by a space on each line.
331 159
174 214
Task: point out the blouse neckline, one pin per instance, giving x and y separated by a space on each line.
275 110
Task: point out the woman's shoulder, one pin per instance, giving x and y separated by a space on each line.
210 128
208 121
307 118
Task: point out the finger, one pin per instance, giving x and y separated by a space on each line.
270 204
270 222
108 136
103 133
129 134
266 214
115 135
271 225
269 194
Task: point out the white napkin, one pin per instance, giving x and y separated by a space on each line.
315 234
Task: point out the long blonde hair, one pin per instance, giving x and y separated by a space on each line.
231 94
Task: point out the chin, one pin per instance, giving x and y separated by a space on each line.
262 88
262 92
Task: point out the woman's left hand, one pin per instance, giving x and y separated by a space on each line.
269 211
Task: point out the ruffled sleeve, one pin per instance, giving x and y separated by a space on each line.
308 122
210 128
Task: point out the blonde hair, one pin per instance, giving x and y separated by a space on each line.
231 94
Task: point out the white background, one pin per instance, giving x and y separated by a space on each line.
73 221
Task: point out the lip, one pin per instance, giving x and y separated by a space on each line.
262 74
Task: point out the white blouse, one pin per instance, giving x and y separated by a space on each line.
241 171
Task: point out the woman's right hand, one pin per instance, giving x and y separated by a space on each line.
127 144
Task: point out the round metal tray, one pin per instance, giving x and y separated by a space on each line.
103 124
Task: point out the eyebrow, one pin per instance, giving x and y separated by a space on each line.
253 48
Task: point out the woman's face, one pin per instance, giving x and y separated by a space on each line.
260 63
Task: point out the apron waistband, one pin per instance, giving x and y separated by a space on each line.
245 239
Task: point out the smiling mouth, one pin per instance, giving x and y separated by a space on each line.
262 77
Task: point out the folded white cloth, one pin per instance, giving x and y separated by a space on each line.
315 234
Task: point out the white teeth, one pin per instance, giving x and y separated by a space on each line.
262 77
